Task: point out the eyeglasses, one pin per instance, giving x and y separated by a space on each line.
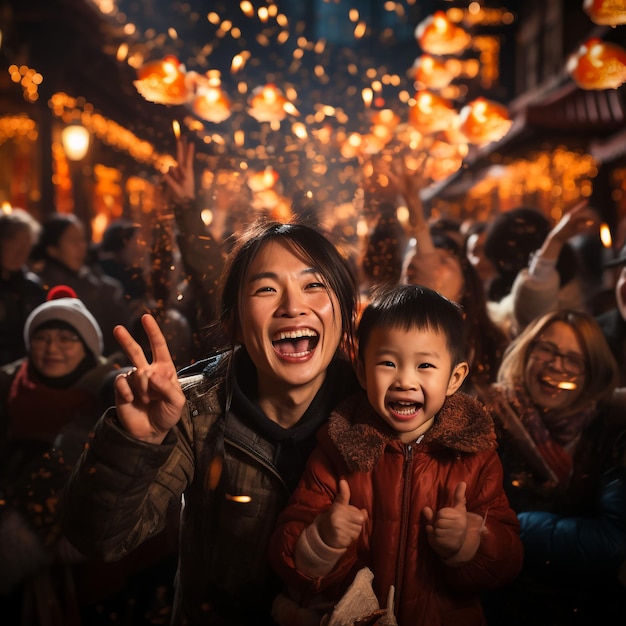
573 364
64 339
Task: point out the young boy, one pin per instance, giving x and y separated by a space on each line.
408 484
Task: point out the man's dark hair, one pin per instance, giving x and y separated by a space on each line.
309 243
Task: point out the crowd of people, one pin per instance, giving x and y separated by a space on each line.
262 429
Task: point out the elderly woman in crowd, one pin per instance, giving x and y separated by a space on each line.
48 402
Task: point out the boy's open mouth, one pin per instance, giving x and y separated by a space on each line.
296 343
405 408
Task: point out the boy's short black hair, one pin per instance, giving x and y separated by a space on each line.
416 307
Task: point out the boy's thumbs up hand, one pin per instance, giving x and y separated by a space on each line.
447 527
342 523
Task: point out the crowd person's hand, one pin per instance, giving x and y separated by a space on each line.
342 523
149 399
453 532
180 178
407 183
581 219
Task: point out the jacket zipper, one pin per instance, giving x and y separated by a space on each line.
407 475
406 501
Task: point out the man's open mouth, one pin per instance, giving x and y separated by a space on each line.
296 343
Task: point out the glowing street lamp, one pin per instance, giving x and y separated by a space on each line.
75 140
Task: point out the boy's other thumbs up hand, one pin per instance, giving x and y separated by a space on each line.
342 523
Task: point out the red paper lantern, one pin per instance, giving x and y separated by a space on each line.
263 180
211 103
268 104
430 72
431 112
598 65
163 81
352 146
483 121
438 35
606 12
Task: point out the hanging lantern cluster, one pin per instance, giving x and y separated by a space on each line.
598 65
167 82
445 132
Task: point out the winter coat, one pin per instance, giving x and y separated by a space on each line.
20 293
536 290
234 470
574 533
613 327
394 482
35 464
577 528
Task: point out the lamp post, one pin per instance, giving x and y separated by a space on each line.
75 140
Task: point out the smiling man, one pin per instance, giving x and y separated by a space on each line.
232 434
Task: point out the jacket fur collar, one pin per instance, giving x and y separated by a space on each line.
463 425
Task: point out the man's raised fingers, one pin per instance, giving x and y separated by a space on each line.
158 345
130 347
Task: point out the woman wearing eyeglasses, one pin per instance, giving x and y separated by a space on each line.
560 422
49 400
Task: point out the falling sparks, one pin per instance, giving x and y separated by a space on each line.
176 129
374 112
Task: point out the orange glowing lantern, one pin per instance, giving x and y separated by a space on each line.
281 211
373 144
598 65
351 146
438 35
431 112
383 124
437 169
211 103
430 73
163 81
261 181
268 104
384 117
441 149
606 12
483 121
